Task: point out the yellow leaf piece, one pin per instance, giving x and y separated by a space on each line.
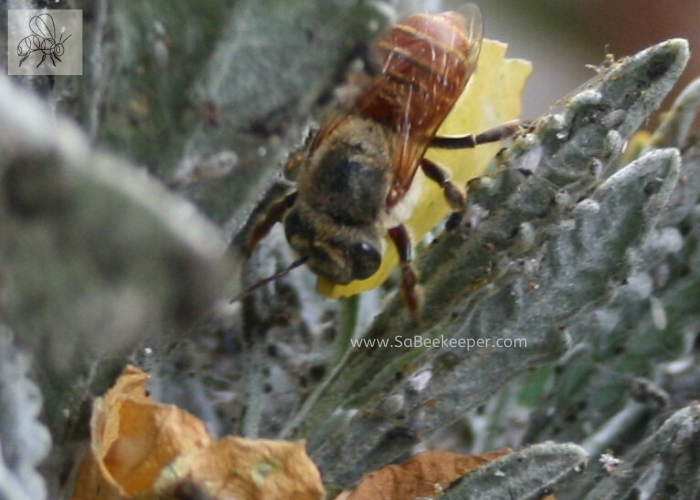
146 450
425 475
491 97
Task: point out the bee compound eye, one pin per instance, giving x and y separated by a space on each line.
366 260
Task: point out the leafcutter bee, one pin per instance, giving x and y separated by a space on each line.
355 180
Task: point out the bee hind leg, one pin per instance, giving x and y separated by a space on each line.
495 134
454 195
410 291
273 215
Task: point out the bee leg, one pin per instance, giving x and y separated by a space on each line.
454 196
410 293
498 133
273 215
293 163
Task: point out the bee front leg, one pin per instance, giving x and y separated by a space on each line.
498 133
410 293
454 196
273 215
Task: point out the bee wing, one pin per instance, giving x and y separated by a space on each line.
43 26
327 127
427 61
430 61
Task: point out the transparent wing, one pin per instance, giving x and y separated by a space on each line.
434 60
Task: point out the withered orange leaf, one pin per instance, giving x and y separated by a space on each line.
132 439
146 450
247 469
424 475
150 438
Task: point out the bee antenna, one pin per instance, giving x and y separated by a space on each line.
265 281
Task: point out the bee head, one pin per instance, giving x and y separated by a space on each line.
341 253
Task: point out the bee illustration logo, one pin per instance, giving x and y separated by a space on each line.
42 39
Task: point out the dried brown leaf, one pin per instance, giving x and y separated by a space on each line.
132 439
424 475
247 469
140 448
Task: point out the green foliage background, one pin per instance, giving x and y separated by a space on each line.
124 196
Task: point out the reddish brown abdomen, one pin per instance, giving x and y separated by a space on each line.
428 59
